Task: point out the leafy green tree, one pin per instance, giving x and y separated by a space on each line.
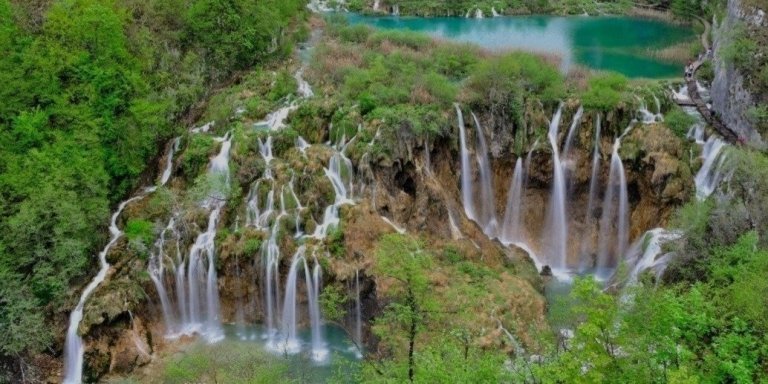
402 260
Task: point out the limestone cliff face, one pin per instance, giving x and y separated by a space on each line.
730 98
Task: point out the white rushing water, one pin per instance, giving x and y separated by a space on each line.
587 244
512 230
614 224
711 172
466 169
487 218
193 276
557 228
73 345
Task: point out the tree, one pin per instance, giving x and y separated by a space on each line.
402 260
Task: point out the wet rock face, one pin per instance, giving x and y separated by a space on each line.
731 99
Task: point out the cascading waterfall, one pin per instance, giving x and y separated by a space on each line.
194 277
73 345
512 231
169 161
466 169
478 13
557 229
157 261
710 174
287 341
586 244
567 149
487 217
339 169
494 13
613 242
319 352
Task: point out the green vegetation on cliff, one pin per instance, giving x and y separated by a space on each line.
91 89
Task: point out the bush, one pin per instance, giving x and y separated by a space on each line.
679 122
196 156
605 92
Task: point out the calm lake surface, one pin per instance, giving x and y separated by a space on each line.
620 44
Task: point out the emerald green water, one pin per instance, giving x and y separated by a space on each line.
618 44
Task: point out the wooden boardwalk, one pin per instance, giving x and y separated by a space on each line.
695 98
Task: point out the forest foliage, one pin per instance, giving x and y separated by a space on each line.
92 89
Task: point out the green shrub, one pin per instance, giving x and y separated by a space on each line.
679 122
605 92
196 156
138 229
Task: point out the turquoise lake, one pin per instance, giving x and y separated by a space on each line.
620 44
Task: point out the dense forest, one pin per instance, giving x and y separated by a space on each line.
360 130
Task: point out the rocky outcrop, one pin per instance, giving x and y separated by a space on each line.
731 98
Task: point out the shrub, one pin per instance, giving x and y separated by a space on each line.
679 122
605 92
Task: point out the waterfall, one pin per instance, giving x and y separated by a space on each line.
265 149
615 210
376 5
302 145
696 133
557 230
494 13
169 161
571 133
644 254
319 352
271 259
73 345
646 116
194 277
587 244
287 341
487 217
396 10
709 176
340 174
156 267
305 90
478 13
466 169
512 229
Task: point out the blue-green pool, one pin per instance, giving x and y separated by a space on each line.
620 44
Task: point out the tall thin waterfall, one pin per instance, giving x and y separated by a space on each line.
169 161
73 346
271 258
487 217
512 229
287 341
157 261
466 169
587 244
557 230
319 352
572 133
613 242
